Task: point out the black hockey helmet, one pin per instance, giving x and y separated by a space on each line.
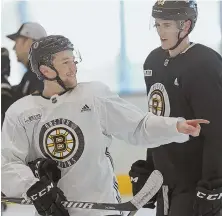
42 50
181 10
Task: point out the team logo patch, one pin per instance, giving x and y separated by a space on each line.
63 141
35 45
158 100
161 2
31 118
147 72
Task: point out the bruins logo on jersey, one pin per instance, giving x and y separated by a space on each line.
63 141
158 100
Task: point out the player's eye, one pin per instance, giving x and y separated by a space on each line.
167 25
156 25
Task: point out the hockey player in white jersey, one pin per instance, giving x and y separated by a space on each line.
64 134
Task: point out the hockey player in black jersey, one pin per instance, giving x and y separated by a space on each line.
6 88
184 79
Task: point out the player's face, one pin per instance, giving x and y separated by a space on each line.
64 63
21 47
168 32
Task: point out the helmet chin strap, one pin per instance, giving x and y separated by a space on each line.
60 82
178 41
58 79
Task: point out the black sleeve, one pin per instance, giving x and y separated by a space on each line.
205 97
6 101
149 157
28 85
146 65
36 85
149 153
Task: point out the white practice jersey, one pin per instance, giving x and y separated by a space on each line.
75 129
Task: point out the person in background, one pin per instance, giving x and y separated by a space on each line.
6 88
24 37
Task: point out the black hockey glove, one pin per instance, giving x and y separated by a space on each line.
139 173
208 198
3 205
47 198
45 167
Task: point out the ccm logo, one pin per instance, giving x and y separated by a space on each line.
135 180
209 196
42 192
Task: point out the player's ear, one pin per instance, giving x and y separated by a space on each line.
47 71
186 27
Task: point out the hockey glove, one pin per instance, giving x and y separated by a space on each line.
45 167
3 205
208 198
139 173
47 198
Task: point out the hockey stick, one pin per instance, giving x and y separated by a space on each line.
150 188
132 213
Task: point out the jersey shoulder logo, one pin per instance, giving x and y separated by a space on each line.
148 72
161 2
31 118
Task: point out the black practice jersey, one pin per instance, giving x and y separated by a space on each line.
190 86
28 85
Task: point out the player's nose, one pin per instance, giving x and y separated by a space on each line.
72 67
